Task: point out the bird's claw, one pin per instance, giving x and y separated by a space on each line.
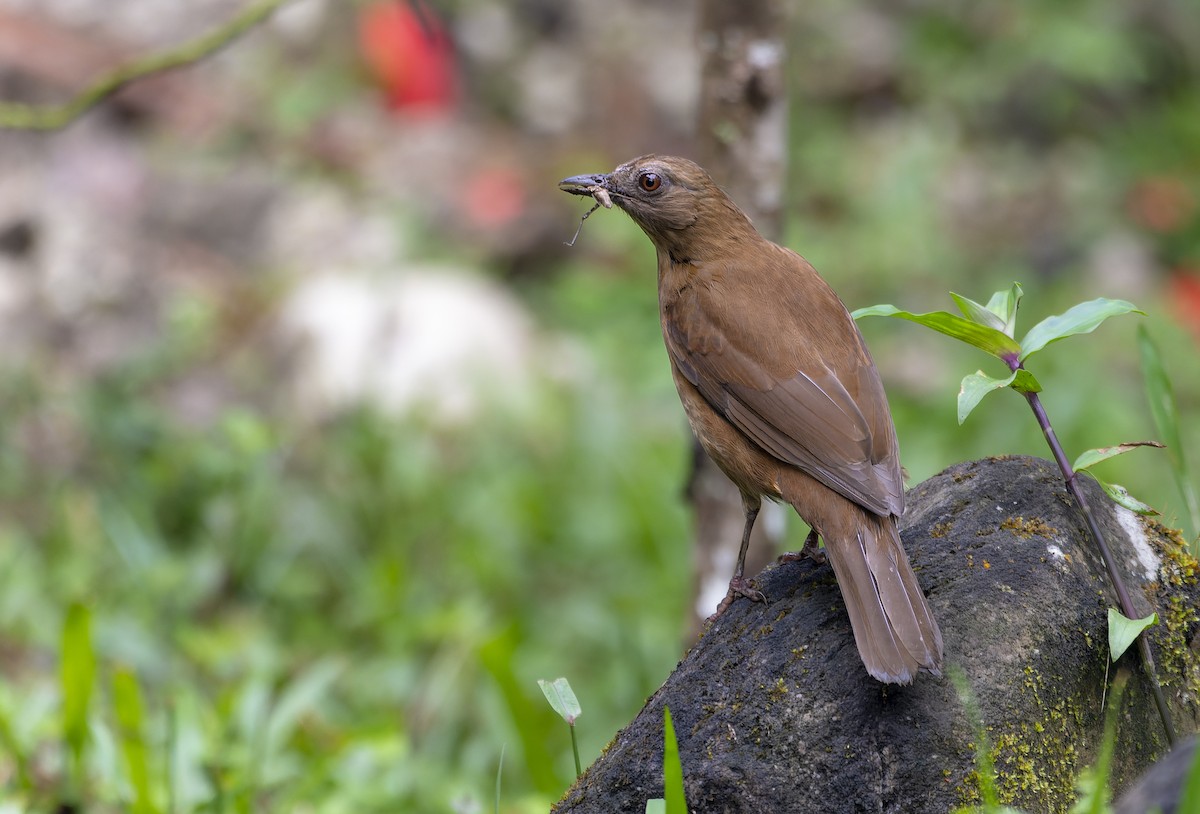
810 550
738 586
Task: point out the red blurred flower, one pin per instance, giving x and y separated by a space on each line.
1183 292
408 51
494 197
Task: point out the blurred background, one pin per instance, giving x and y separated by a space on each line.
319 447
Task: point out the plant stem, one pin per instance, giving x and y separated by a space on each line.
575 749
1110 564
53 117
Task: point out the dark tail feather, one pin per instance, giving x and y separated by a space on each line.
893 627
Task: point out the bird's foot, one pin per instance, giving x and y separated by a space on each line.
811 550
738 586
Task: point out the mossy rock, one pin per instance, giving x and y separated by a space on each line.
774 712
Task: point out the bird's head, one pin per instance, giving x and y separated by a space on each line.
674 200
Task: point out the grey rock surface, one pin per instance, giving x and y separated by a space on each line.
774 712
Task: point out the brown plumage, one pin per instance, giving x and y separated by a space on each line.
780 390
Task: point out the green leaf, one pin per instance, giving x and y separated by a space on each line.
1004 304
981 336
1121 497
977 385
656 806
977 313
974 387
1122 631
127 699
1189 799
676 802
1166 419
1026 382
497 655
1094 456
562 699
78 676
1079 319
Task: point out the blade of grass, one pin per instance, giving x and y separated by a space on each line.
496 655
1093 782
127 699
8 741
499 772
1161 397
1189 799
77 674
984 769
672 769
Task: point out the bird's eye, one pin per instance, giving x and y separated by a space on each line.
649 181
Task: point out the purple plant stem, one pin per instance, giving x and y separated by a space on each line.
1109 563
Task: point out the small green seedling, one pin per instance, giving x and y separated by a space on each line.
563 701
992 328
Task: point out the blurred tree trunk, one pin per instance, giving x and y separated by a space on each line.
742 141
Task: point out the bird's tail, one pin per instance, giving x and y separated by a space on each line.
893 627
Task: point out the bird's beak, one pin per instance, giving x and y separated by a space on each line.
583 184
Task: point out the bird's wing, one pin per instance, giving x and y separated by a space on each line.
823 412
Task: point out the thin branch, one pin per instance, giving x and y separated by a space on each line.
18 116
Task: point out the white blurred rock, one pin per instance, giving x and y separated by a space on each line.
438 340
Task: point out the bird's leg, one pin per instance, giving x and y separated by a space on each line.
739 585
810 549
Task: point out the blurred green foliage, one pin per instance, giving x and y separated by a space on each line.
352 616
